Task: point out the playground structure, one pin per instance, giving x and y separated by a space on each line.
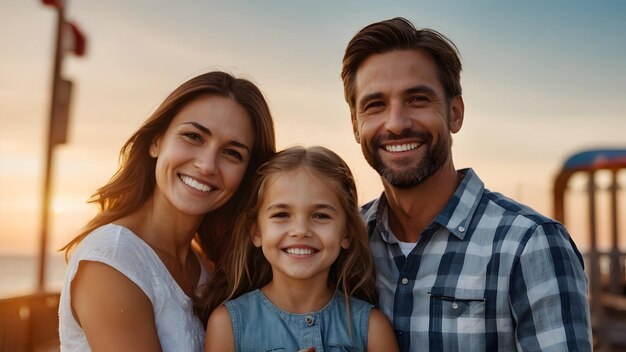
603 176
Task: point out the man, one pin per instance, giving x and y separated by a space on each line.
458 266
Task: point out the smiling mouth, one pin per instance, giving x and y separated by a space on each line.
397 148
300 251
195 184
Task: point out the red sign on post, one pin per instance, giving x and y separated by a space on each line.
55 3
73 39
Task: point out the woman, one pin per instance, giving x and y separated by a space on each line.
132 275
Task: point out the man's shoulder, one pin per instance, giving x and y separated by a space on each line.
509 207
522 226
496 210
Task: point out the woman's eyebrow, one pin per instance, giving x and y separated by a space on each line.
198 126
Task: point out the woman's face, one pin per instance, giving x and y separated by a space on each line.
203 155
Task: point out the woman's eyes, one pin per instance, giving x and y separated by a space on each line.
233 153
197 138
193 136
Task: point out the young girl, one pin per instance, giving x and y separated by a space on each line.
302 249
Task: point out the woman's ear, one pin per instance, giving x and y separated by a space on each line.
154 147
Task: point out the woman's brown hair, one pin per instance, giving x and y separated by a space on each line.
134 181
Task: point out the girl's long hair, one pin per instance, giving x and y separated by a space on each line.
134 181
244 268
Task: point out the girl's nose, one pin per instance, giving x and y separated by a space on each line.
300 228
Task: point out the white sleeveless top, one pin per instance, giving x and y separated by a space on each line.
177 327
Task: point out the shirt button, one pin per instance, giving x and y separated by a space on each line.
461 229
309 320
399 332
455 305
405 281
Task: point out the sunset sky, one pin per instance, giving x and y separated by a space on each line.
541 80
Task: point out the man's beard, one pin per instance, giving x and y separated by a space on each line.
434 158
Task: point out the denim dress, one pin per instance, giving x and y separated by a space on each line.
258 325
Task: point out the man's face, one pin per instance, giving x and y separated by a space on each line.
403 121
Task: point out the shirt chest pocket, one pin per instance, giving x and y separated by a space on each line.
461 312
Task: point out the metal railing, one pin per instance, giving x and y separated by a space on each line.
30 323
605 269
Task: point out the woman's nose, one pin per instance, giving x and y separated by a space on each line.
206 162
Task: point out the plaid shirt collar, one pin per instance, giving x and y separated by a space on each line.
455 216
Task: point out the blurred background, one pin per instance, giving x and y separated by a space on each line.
541 81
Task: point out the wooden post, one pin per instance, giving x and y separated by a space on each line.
56 135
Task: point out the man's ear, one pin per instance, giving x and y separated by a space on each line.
355 128
457 111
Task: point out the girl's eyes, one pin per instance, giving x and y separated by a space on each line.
285 215
321 216
280 215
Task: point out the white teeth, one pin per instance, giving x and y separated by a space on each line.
400 147
299 251
195 184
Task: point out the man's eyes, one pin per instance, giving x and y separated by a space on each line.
372 105
419 99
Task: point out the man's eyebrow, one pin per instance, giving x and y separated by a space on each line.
420 89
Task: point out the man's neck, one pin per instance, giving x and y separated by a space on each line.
412 210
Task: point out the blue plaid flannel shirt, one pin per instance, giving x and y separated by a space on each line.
487 274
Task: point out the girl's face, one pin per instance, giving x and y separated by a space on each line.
301 226
202 156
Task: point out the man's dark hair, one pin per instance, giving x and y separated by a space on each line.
400 34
